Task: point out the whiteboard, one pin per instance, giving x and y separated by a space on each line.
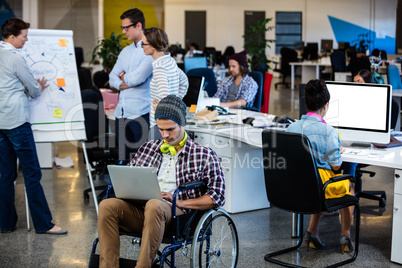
57 115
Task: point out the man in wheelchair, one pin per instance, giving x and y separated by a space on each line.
177 159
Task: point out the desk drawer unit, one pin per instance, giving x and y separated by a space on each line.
242 167
396 249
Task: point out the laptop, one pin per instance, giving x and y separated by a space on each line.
135 183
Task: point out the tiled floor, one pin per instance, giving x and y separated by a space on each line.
259 231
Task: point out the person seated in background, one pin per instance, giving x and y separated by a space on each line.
327 152
238 89
188 161
363 76
193 47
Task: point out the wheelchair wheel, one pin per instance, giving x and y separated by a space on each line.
215 241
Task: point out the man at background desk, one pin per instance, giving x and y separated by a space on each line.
131 75
238 89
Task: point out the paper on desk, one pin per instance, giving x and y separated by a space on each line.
63 162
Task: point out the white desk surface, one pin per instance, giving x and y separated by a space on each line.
231 126
389 157
397 92
320 62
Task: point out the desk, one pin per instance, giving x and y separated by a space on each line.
391 158
240 149
310 69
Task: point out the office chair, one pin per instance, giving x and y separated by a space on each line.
338 62
257 76
394 78
293 184
356 64
210 81
302 103
101 79
195 62
84 74
287 55
208 236
99 147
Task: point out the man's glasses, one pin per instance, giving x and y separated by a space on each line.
143 44
128 26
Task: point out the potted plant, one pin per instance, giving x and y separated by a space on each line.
107 51
255 43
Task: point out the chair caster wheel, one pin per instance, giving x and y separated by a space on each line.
86 196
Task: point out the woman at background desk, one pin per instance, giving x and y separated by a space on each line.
16 138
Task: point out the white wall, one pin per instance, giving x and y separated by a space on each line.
79 16
225 18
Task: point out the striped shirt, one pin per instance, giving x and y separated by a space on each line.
194 163
167 79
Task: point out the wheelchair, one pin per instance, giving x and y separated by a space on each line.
208 238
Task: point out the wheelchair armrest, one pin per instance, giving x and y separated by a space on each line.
191 185
108 191
339 178
185 186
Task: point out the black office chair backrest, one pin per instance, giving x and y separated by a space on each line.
101 79
287 55
79 56
357 64
338 61
210 81
94 115
292 180
257 76
302 102
395 110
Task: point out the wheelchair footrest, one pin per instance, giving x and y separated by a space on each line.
124 263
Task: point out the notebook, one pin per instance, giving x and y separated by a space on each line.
135 183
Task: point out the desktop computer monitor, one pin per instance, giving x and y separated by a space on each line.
195 92
360 112
326 45
343 45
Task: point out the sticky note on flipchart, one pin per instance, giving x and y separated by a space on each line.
193 108
61 82
57 113
62 42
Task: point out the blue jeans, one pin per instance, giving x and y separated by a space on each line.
131 134
19 142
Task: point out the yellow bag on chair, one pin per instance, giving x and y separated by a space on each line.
336 189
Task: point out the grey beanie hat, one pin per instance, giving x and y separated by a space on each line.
172 107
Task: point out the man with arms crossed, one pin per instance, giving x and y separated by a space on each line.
131 75
189 161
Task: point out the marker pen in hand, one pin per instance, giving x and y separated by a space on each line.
121 75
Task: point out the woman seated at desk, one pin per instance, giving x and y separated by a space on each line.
238 89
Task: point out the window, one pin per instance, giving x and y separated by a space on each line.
288 30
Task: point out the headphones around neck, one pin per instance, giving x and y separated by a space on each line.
166 148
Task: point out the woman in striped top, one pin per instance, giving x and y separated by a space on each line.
167 78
